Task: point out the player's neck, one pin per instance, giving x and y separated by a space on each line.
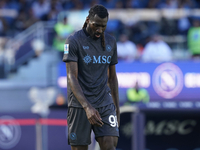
85 31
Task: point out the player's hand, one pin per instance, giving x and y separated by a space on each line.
93 116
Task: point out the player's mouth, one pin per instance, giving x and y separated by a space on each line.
97 35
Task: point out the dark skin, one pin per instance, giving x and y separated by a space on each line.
95 27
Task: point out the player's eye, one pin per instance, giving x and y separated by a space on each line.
95 25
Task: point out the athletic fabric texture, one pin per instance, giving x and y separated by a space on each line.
79 128
93 62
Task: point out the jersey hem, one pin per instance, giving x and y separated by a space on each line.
69 60
79 144
113 64
92 106
106 135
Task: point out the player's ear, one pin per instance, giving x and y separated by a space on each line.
87 20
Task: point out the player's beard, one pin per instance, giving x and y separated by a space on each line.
93 34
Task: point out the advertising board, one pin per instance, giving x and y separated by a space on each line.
170 82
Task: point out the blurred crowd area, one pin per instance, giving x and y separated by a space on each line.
147 40
21 14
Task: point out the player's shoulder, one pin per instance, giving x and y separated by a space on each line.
74 37
109 37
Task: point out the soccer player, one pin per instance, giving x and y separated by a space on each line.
92 87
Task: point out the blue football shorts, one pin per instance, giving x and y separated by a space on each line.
79 128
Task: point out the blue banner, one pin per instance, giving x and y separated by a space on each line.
165 82
17 131
58 134
178 81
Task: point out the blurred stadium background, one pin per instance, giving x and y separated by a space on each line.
158 50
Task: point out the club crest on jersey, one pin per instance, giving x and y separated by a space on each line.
108 48
66 48
73 136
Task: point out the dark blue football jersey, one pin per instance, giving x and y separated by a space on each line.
93 62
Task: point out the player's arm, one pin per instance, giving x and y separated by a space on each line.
72 74
113 84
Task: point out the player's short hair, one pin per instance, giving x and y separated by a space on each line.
102 12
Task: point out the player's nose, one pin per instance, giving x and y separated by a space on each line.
100 30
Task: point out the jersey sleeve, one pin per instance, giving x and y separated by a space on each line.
114 59
70 50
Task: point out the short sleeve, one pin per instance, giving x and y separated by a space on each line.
114 59
70 50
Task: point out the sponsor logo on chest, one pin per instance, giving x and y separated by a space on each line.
97 59
101 59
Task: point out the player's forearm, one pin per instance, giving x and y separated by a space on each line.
113 84
77 91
